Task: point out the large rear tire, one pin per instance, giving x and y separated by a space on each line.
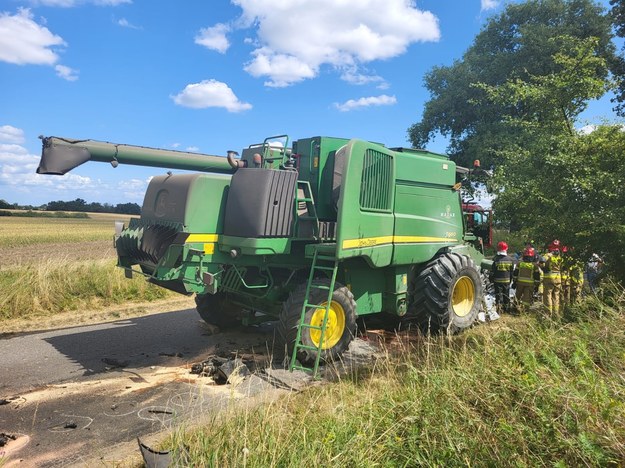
340 329
216 309
447 294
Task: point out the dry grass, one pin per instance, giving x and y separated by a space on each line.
522 392
16 231
55 286
50 266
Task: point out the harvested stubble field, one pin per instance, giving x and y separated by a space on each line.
53 270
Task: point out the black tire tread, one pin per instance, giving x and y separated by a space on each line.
291 313
431 291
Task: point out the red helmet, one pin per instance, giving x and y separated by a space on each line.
555 245
529 252
502 246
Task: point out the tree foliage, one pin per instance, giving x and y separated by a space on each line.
94 207
571 188
526 42
513 102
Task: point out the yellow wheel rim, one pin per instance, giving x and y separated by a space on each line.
463 296
334 328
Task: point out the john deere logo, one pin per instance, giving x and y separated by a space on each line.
448 213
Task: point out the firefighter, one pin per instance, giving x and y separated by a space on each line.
501 276
552 281
524 278
576 277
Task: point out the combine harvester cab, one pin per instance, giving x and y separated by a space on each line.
313 234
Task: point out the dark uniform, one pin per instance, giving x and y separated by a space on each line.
501 276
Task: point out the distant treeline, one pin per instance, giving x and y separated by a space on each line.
76 205
43 214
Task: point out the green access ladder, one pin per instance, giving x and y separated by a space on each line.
327 264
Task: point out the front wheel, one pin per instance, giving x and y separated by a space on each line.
340 328
216 309
447 294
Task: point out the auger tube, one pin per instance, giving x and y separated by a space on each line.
61 155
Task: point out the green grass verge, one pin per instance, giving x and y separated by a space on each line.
520 392
62 285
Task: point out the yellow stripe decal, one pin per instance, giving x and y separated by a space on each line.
209 249
382 240
201 238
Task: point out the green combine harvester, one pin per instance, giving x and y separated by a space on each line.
312 234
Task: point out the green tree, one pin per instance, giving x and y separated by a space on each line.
520 45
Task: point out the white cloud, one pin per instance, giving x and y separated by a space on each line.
336 33
17 170
489 4
353 76
18 176
124 23
23 41
192 149
210 93
587 129
133 190
66 73
9 134
283 69
352 104
214 38
175 145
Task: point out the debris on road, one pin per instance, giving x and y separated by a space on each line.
4 438
232 372
209 367
170 354
113 363
222 370
11 443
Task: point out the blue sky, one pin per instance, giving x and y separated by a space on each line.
212 75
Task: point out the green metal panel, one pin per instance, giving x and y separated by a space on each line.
367 286
316 165
249 246
367 231
206 204
427 219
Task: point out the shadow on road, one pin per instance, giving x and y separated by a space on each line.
166 339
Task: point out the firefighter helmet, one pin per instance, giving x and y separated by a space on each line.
502 246
554 246
529 252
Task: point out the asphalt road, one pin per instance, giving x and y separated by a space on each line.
84 394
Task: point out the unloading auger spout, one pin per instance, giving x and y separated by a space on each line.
61 155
